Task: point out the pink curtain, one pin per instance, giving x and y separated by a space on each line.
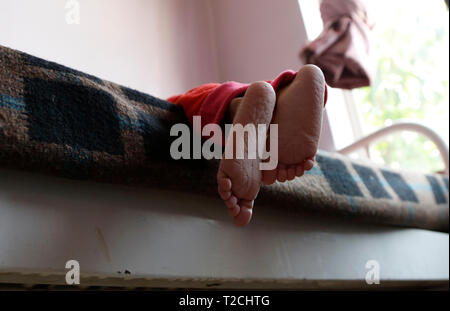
342 49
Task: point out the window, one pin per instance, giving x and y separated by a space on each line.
411 43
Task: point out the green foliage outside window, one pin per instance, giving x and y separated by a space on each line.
411 45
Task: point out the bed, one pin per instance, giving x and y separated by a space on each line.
86 175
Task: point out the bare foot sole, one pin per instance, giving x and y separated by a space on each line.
239 180
298 113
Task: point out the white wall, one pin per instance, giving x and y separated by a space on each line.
159 47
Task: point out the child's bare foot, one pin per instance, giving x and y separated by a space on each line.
239 180
298 113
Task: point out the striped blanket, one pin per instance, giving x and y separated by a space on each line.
60 121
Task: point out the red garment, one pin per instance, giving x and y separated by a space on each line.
210 101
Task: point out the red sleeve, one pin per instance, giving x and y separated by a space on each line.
210 101
193 99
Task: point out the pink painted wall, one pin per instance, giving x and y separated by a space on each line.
161 46
257 39
157 46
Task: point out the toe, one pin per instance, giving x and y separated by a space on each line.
309 164
233 212
233 207
224 183
244 216
282 175
225 195
231 202
224 187
299 171
291 173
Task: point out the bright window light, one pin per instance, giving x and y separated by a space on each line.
411 43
